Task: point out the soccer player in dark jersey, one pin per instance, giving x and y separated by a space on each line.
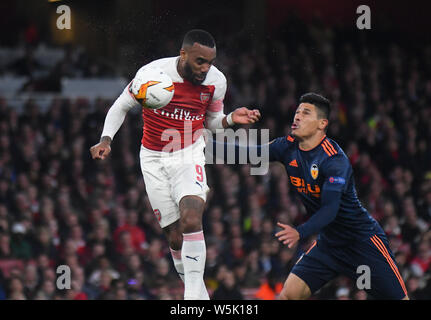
348 237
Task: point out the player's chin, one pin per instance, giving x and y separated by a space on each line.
198 80
294 133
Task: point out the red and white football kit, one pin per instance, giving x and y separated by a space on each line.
172 158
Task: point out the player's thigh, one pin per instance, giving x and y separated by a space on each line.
315 268
158 188
295 289
189 179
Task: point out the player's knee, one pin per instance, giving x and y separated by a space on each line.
288 294
191 209
294 289
174 236
191 223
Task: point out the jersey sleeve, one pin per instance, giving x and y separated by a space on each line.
116 114
215 114
220 84
277 148
336 171
330 203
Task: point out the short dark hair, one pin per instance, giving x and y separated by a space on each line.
322 104
200 36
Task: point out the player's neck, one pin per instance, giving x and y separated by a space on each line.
309 143
180 69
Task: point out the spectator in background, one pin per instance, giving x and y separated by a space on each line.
46 292
270 287
31 280
360 295
227 289
343 293
138 239
5 250
104 268
421 263
16 289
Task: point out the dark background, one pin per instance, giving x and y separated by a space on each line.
57 206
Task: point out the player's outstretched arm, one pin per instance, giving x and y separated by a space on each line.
113 121
241 115
218 120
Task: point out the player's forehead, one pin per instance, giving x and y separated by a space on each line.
201 51
305 106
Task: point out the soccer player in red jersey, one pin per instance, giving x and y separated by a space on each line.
176 188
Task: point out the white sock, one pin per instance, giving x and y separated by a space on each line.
178 264
193 256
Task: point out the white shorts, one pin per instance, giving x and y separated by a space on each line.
169 176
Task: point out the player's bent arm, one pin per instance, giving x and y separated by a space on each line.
116 114
330 203
215 120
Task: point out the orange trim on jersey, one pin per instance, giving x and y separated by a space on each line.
289 138
312 246
313 147
330 146
384 251
325 148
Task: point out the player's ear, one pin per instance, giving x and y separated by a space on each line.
183 55
323 124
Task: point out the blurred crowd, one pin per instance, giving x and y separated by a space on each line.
43 67
59 207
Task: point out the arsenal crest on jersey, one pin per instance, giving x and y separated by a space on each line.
314 170
205 97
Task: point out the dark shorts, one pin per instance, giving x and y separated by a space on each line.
322 263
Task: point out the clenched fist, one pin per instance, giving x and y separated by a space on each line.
102 149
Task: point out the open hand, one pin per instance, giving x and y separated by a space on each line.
288 235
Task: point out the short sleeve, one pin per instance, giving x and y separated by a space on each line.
220 84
